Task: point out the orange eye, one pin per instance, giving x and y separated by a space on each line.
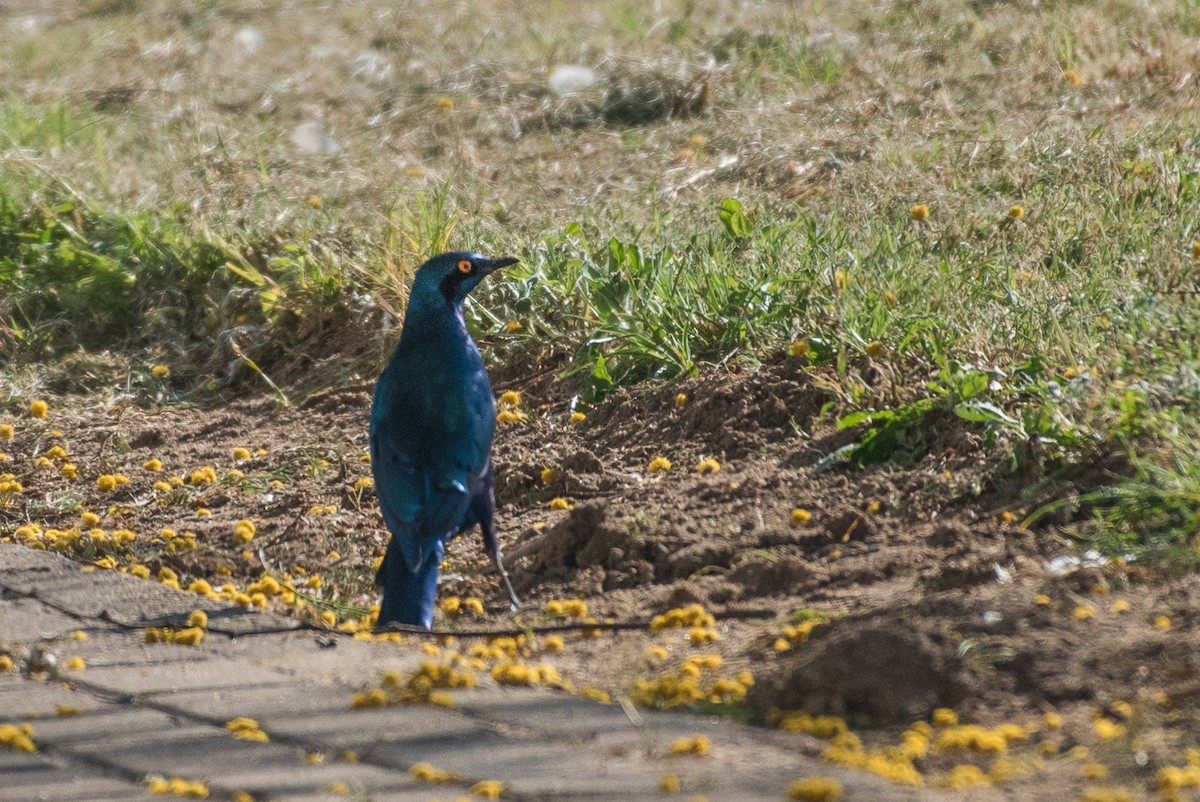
464 266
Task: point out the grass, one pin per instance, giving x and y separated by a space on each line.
738 181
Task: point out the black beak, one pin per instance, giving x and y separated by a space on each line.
495 264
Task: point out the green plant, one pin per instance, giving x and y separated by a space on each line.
1153 515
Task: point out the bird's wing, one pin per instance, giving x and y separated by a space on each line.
425 471
462 458
418 510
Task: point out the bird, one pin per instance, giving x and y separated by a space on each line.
432 420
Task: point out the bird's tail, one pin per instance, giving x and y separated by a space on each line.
408 595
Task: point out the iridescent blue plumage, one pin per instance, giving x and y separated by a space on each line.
432 423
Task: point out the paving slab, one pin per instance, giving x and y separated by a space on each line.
129 601
22 699
320 657
112 646
37 778
202 672
32 618
308 714
19 558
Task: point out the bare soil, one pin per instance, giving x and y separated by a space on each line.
929 592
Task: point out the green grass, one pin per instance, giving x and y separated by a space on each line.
165 214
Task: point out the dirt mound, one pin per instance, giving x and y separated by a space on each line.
879 673
730 414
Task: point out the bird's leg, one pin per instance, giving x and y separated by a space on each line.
514 602
492 546
486 513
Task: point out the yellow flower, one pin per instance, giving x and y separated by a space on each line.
578 417
76 664
815 789
315 202
425 772
160 371
1120 606
798 348
876 349
669 783
17 737
38 409
549 475
1052 721
107 482
1170 778
6 663
681 400
965 775
7 431
488 789
919 212
1016 211
69 471
244 531
801 517
1162 622
444 103
698 745
658 464
241 454
708 465
507 416
202 476
1073 77
90 519
513 327
1196 250
339 789
944 717
553 644
376 697
1006 517
1108 730
511 398
1041 599
560 504
1083 612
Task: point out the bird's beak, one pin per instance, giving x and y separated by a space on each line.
495 264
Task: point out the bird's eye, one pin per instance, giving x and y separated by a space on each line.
464 266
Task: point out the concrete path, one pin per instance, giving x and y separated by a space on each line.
141 711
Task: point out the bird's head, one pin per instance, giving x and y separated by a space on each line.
455 274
